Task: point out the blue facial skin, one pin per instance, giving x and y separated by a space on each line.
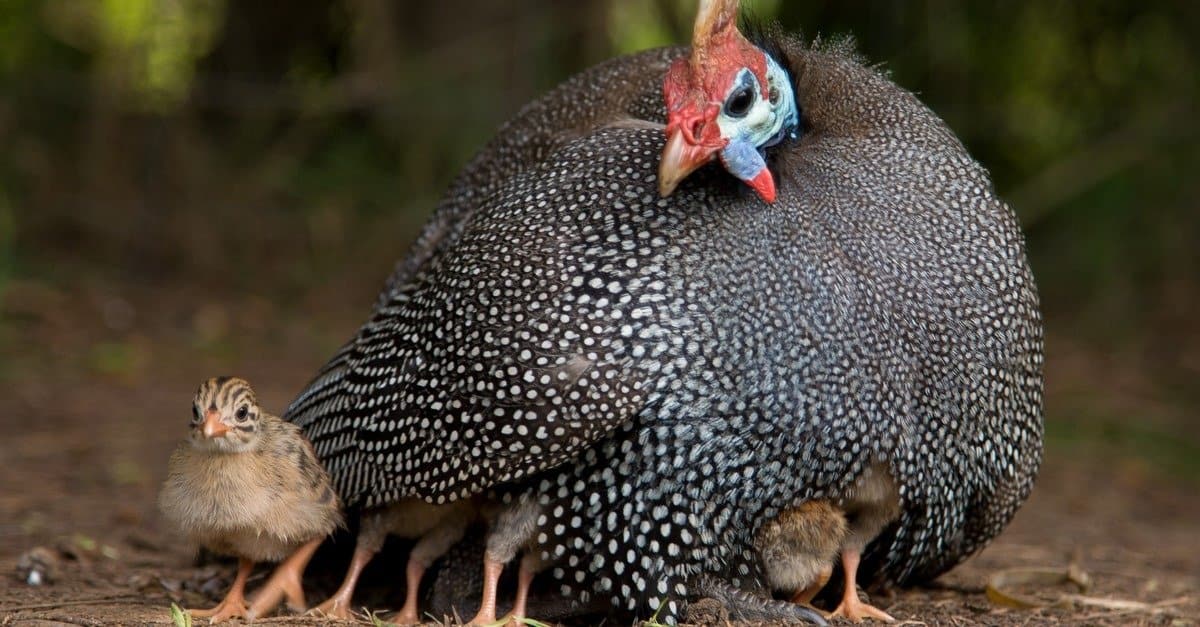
743 159
743 156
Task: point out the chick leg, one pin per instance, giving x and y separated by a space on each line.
530 565
285 582
851 606
234 603
430 547
491 580
338 605
805 596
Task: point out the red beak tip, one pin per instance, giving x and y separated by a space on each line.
763 184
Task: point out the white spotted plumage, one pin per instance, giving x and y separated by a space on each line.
663 375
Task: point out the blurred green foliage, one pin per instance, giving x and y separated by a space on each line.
277 148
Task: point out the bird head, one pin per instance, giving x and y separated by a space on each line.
225 416
729 99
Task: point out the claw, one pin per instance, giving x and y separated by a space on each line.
851 606
857 611
338 605
234 604
285 582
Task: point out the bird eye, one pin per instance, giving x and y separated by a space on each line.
195 414
739 102
242 412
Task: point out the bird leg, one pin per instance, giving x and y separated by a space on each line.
430 547
524 580
805 595
285 582
338 605
412 576
851 606
491 580
234 604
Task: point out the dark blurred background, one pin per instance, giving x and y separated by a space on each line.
190 187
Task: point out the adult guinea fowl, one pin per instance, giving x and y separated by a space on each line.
659 377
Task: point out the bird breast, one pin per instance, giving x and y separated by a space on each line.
232 503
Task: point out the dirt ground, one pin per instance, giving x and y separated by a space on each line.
94 394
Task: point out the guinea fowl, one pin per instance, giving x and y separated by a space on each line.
660 377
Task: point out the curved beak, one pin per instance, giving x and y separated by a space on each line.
213 427
679 159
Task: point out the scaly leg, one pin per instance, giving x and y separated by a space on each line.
851 606
285 582
338 605
412 576
430 547
491 580
234 603
806 595
529 567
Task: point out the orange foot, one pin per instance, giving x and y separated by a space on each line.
854 609
285 582
338 605
333 608
851 606
234 604
229 608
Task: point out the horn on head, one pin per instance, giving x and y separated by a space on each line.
716 21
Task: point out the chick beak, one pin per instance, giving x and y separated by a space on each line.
679 159
213 427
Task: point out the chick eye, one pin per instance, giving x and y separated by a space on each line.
739 102
195 414
242 412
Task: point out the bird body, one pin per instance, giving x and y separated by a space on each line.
250 504
248 485
662 376
409 377
880 309
395 450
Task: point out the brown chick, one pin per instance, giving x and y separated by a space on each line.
799 546
248 484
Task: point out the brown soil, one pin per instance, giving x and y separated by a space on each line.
91 405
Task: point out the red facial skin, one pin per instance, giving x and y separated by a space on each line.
695 89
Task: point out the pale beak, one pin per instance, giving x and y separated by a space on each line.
213 427
679 159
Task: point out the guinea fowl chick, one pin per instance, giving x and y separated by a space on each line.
248 484
799 546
